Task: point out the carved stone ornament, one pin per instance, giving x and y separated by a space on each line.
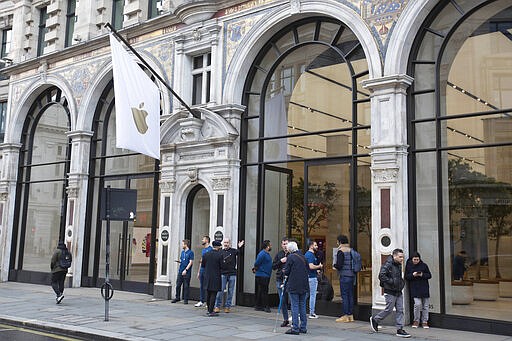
221 183
192 174
4 196
72 192
385 175
167 186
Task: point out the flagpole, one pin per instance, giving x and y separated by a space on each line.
113 30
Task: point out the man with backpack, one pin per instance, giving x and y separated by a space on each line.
61 261
348 264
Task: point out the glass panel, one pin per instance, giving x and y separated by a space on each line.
362 93
364 113
424 106
285 42
363 141
479 201
311 146
328 31
253 128
251 193
276 205
200 228
328 212
429 47
426 77
139 232
427 219
306 32
42 227
479 130
252 152
364 229
466 5
425 135
444 21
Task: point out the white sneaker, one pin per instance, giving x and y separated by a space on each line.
313 316
198 304
59 299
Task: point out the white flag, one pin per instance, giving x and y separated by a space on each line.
137 101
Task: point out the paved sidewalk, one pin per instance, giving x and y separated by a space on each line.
141 317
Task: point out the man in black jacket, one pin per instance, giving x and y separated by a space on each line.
390 277
58 272
278 265
228 272
212 279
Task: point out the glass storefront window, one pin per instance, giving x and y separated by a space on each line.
314 117
463 184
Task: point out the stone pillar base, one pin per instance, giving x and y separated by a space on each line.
162 291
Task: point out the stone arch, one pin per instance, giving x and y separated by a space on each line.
264 29
14 132
404 32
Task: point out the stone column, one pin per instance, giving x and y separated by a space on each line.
77 201
10 156
168 232
390 227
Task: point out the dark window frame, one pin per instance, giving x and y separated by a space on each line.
70 22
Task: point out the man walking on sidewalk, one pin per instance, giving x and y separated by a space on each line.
60 262
185 268
200 272
390 277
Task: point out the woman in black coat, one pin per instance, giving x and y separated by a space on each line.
418 274
212 273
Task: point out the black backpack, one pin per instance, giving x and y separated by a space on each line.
65 259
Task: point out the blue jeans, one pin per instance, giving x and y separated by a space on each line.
202 289
313 285
347 295
283 296
298 303
230 281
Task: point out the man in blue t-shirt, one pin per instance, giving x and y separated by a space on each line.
184 270
200 272
314 266
263 270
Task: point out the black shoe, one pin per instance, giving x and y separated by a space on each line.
285 323
259 309
175 300
212 314
374 325
267 310
291 332
402 333
185 302
303 331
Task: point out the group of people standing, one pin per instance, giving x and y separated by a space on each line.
297 279
216 274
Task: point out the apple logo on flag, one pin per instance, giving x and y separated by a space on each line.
139 117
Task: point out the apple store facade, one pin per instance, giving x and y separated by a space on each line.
387 121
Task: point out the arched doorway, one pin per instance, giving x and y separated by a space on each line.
197 225
132 257
305 148
41 187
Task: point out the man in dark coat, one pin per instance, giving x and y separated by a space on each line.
296 270
278 265
418 274
212 276
58 273
390 277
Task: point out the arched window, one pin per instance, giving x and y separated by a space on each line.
41 187
132 265
305 143
460 132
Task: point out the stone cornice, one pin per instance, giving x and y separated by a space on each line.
386 82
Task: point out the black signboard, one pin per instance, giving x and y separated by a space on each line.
123 204
218 236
